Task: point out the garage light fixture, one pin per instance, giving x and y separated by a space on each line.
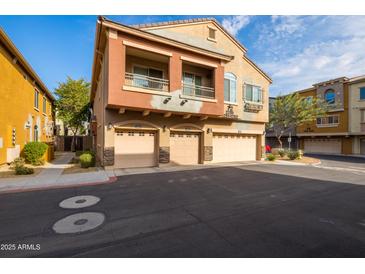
110 126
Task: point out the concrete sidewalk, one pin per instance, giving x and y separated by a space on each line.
52 177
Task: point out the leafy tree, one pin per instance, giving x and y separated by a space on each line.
290 111
72 105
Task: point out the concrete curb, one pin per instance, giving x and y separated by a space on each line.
109 181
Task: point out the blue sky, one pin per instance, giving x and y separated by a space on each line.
296 51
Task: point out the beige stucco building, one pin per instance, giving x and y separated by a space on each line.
181 92
357 114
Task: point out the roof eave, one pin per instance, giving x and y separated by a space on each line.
14 50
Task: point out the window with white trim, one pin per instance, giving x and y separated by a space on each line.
44 104
230 88
36 99
328 120
252 93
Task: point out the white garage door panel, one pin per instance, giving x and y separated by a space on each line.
230 148
135 149
330 146
184 148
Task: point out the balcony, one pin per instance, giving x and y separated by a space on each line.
198 91
146 82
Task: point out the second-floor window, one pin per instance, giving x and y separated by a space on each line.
230 88
147 77
44 104
330 96
36 99
327 121
362 93
252 93
362 115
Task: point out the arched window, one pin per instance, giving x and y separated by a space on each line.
230 87
330 96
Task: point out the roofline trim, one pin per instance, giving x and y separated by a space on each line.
161 39
14 50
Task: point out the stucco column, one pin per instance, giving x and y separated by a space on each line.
164 146
208 145
175 72
219 87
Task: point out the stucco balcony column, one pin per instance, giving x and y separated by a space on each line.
175 72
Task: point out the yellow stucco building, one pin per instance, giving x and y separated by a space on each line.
26 105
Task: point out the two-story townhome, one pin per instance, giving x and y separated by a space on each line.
357 114
26 105
181 92
330 133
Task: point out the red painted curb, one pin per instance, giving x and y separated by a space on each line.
109 181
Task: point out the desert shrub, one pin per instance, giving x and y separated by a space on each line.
34 152
270 157
292 155
275 151
281 152
17 162
87 159
23 170
300 154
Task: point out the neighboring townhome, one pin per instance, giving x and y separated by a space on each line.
181 92
26 105
357 114
329 134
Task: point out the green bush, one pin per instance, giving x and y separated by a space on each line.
34 152
17 162
292 155
23 170
282 152
270 157
87 159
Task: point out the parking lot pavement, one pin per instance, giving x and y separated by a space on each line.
247 211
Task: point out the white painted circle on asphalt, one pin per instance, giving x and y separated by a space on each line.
79 222
79 201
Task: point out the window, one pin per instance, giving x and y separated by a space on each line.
212 33
36 99
362 115
330 96
230 93
142 81
192 84
327 121
253 93
362 93
309 99
44 104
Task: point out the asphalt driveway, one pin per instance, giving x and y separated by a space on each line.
263 210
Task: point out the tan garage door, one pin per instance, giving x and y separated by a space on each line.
135 149
184 148
230 148
329 146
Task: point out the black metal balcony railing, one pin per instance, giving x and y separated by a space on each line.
198 91
142 81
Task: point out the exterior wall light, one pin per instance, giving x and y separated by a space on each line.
183 102
209 130
164 128
110 126
166 100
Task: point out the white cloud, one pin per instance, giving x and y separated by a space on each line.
234 24
304 50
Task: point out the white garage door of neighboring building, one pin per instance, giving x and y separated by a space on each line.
135 149
184 148
230 148
330 146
